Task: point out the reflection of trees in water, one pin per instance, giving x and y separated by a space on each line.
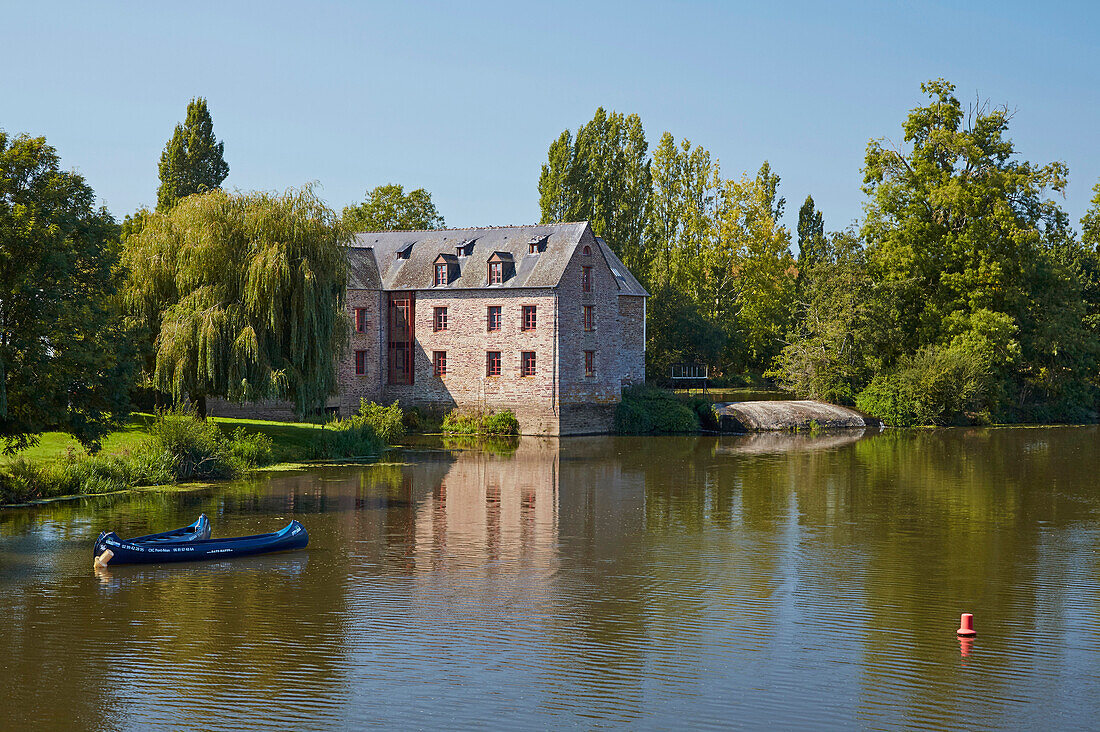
629 556
898 531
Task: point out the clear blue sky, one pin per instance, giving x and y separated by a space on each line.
464 98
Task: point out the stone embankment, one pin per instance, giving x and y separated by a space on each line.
790 415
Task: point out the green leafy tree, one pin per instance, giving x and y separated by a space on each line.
1090 223
825 356
685 182
243 295
678 332
602 175
64 360
193 160
753 267
389 208
811 235
961 230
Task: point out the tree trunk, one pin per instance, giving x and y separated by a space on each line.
200 406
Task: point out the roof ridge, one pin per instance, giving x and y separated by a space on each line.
469 228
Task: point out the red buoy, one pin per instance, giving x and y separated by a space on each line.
966 625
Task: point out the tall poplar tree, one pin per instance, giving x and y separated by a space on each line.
602 175
193 159
811 236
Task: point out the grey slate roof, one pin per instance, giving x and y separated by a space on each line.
544 269
628 284
362 271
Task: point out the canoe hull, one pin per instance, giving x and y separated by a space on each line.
197 531
294 536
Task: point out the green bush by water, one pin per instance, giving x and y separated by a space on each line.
647 410
498 424
362 434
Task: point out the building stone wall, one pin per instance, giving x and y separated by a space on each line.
466 342
632 312
353 386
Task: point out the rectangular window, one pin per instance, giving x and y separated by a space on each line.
589 318
528 317
440 320
360 363
400 337
439 363
492 363
441 273
494 317
360 320
527 364
496 273
586 278
589 363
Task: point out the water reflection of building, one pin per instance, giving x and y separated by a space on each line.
489 509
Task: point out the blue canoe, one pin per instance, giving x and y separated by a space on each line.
124 551
192 532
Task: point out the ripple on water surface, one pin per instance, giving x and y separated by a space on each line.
595 582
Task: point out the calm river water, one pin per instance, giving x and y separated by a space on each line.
663 582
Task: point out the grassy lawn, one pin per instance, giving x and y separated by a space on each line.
291 440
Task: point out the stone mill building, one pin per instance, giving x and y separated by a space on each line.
544 320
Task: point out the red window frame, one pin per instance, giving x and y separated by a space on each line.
589 363
496 273
493 318
441 273
589 313
529 317
527 363
586 278
400 337
439 363
492 363
360 363
360 320
439 319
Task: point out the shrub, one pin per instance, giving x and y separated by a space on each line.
648 410
196 448
252 449
936 386
388 422
704 410
499 424
419 420
179 447
362 434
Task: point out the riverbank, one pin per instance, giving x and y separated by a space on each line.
177 448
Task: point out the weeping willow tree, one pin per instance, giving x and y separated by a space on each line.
242 296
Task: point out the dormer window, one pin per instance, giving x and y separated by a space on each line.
445 270
587 250
536 244
405 251
465 249
501 267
